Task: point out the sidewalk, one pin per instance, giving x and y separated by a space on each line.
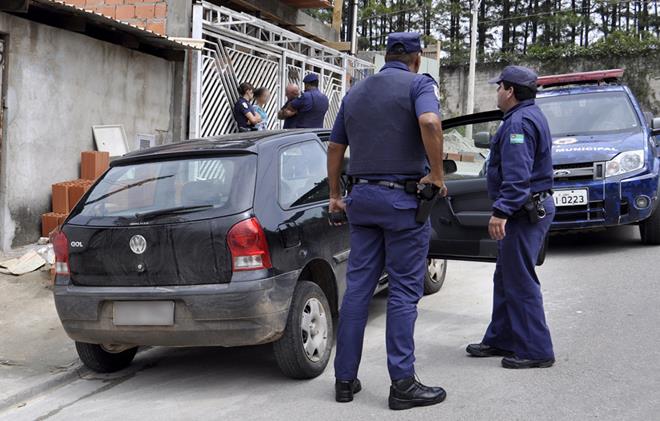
35 352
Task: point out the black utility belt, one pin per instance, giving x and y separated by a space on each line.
409 186
427 194
534 209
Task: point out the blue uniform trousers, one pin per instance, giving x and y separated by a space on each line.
384 235
518 320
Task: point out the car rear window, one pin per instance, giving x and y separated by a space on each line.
589 113
203 187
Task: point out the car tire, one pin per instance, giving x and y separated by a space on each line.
98 359
304 350
650 228
435 276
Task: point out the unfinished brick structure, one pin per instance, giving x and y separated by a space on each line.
147 14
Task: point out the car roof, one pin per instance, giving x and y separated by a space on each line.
235 143
579 89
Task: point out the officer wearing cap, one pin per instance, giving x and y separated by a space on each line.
391 121
309 109
520 184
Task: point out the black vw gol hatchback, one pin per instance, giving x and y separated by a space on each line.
214 242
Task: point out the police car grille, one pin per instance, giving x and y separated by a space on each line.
594 211
579 172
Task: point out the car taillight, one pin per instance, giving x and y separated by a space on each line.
248 246
61 249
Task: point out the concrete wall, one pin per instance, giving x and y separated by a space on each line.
59 84
642 75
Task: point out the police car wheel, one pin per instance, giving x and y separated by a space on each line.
98 358
435 276
304 350
650 228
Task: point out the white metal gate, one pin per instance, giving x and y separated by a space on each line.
241 48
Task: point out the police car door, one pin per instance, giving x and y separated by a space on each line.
460 221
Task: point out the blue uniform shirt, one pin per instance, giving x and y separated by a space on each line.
311 106
424 95
520 162
241 108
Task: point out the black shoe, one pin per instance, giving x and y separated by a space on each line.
515 362
408 393
483 350
344 390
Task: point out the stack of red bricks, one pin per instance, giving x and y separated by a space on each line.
67 193
146 14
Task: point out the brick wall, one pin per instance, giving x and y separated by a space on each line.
148 14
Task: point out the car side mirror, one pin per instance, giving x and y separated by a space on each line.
482 140
655 127
449 166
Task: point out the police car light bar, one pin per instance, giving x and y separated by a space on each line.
583 77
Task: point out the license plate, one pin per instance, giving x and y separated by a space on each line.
143 313
578 197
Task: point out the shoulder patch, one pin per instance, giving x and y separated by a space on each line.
245 105
517 138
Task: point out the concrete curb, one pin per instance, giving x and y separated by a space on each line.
53 382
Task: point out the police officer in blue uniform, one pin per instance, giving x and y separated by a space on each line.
244 114
309 109
391 121
520 184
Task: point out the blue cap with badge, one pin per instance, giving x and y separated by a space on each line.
311 77
518 75
406 42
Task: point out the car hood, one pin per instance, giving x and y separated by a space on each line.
594 148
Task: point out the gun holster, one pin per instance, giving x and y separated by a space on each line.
427 194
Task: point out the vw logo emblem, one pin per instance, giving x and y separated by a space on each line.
138 244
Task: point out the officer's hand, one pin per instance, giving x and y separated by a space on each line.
496 228
438 182
336 205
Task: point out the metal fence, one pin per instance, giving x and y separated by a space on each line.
241 48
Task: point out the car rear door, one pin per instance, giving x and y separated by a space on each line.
460 221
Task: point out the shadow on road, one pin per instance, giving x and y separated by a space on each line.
608 241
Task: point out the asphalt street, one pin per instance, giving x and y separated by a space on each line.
602 300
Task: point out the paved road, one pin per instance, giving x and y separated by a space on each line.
602 300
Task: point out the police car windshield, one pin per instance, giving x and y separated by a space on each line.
589 114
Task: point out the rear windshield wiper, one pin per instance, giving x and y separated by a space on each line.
172 210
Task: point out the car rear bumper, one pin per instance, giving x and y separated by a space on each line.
611 203
233 314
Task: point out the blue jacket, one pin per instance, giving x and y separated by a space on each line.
311 106
520 162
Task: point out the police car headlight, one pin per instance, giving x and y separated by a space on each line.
625 162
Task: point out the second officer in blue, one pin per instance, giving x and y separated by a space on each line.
391 121
520 184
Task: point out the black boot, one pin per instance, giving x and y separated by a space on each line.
483 350
408 393
344 390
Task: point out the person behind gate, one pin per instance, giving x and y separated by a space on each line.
310 108
391 121
520 184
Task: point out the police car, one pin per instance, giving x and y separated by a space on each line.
606 152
